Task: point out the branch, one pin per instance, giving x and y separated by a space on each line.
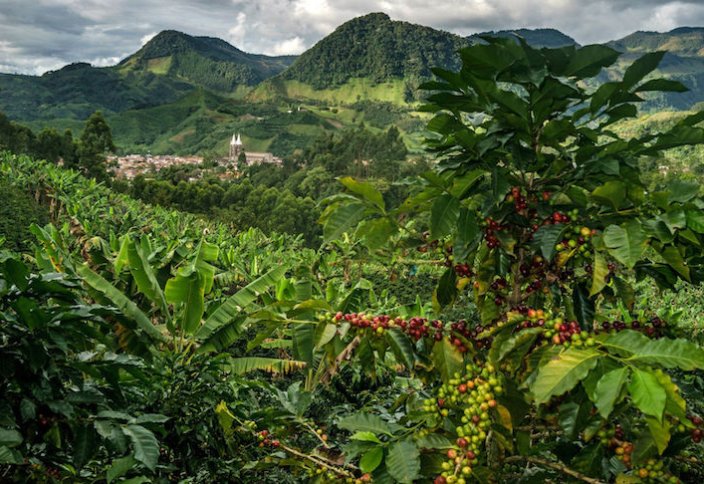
555 466
318 461
345 354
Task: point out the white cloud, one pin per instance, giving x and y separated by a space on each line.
288 47
146 38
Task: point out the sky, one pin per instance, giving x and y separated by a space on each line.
41 35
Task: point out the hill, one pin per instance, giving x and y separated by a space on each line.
165 69
377 48
203 61
682 42
182 94
550 38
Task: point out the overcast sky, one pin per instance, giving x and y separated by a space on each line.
40 35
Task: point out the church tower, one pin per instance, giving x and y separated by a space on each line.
235 147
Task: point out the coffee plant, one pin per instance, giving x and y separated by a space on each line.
554 374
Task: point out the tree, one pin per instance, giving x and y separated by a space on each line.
95 142
541 214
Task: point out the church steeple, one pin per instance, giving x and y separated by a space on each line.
235 147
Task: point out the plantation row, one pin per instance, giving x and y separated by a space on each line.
146 345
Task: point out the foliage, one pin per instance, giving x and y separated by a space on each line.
17 213
373 46
542 208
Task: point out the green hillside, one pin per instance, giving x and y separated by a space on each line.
683 42
376 48
169 66
203 61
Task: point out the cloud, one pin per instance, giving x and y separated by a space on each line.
39 35
288 47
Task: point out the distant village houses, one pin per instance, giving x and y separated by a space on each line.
130 166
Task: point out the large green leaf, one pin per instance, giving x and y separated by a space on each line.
84 444
188 293
600 270
589 60
444 215
230 309
670 353
626 243
120 300
402 347
403 461
675 260
608 390
647 393
10 438
146 447
366 422
341 218
547 237
583 306
563 372
467 231
120 467
660 431
611 193
625 343
447 359
144 276
365 190
371 459
375 233
695 220
507 343
641 67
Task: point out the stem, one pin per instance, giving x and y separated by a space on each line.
555 466
312 430
321 461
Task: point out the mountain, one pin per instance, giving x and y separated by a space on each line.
682 42
166 68
184 94
550 38
683 62
203 61
376 48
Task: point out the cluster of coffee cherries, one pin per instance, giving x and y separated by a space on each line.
556 329
322 474
520 202
463 334
491 227
463 270
697 432
265 439
467 400
415 327
577 240
653 328
652 472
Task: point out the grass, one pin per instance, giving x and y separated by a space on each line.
354 90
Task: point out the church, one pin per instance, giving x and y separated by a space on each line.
251 157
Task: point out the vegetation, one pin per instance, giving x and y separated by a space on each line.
149 345
377 48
